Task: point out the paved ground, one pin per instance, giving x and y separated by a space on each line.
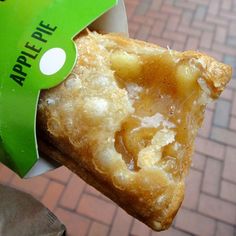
210 204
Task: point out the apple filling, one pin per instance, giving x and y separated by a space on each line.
164 93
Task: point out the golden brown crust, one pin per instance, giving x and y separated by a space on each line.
126 118
216 74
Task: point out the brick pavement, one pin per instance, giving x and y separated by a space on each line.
209 207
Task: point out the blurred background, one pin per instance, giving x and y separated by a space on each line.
209 207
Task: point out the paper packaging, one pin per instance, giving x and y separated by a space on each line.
41 55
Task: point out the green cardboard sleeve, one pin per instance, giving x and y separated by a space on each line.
37 52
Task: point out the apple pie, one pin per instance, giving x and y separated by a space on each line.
126 118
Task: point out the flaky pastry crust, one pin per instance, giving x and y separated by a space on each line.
126 118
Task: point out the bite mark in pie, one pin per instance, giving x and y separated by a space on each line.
126 118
